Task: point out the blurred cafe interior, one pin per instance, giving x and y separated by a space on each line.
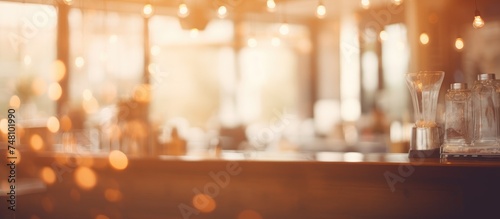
245 109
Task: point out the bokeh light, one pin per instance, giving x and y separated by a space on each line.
79 62
38 86
271 5
142 93
85 178
4 125
183 10
55 91
59 70
15 102
53 124
36 142
320 11
424 38
284 29
147 10
365 4
383 35
222 11
90 106
118 160
48 175
252 42
459 43
204 203
113 195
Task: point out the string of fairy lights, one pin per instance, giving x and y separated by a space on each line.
222 11
321 11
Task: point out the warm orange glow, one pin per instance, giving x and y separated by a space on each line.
38 86
74 194
365 4
47 204
459 43
222 11
204 203
4 126
320 10
60 159
271 5
397 2
15 102
18 156
85 161
20 131
478 22
424 38
59 70
109 92
48 176
36 142
249 214
66 123
147 10
118 160
183 10
53 124
90 106
85 178
113 195
142 93
101 216
55 91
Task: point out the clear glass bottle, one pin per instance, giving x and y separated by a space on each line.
485 110
458 124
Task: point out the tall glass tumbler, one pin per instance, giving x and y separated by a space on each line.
424 89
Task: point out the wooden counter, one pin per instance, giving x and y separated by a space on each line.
388 186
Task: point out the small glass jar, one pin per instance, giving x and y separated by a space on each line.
485 110
458 124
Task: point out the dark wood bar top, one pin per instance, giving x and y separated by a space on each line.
280 185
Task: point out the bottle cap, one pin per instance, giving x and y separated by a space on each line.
458 86
482 77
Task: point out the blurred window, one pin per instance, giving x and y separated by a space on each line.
106 57
27 58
